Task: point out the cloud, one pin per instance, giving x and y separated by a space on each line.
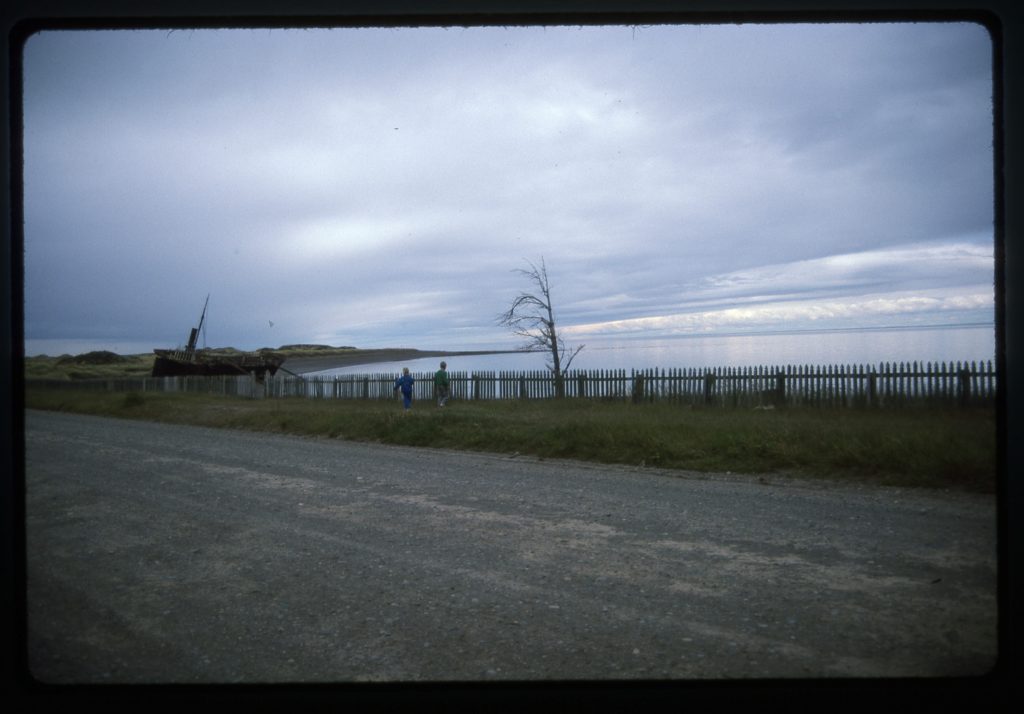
871 288
361 184
887 310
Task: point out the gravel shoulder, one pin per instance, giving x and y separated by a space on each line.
178 554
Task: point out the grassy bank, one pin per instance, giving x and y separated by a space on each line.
912 447
298 359
94 365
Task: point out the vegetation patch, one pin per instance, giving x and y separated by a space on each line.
91 365
914 447
100 357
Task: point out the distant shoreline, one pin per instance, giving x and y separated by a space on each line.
304 365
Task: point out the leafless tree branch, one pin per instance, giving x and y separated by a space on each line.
532 317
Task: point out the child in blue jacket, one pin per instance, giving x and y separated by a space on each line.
405 383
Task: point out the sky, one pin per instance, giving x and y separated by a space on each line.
380 187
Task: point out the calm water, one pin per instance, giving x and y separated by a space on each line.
861 347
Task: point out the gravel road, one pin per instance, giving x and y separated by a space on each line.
188 555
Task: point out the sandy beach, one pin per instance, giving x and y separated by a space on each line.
304 365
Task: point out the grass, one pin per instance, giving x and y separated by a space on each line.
911 447
108 365
95 365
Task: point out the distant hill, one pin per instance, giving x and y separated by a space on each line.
304 348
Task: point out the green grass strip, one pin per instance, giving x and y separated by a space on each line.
912 447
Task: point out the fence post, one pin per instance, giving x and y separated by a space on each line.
780 388
559 385
965 387
709 387
638 388
872 387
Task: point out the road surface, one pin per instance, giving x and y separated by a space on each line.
177 554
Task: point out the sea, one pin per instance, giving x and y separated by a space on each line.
865 347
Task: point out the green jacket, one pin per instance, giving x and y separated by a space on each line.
441 378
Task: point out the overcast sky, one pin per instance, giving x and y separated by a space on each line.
379 187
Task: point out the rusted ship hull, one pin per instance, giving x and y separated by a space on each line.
171 363
191 361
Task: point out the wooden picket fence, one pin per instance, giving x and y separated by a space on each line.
887 384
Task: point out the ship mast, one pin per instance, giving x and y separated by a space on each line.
190 350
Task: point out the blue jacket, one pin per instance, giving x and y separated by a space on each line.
405 382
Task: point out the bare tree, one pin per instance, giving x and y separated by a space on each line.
532 316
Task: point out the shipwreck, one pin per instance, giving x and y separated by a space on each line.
206 362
